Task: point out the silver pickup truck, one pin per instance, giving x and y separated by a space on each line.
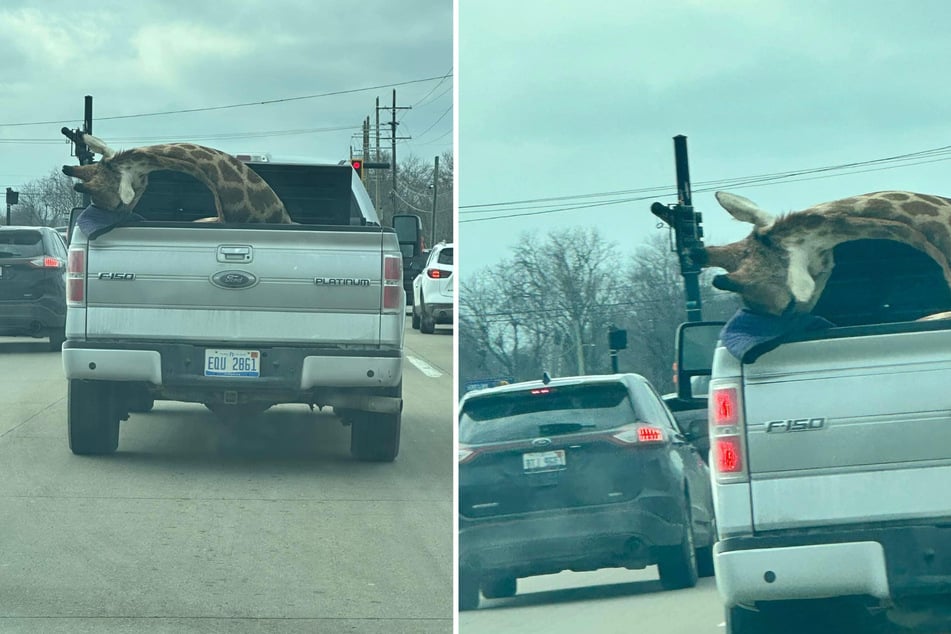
831 457
239 317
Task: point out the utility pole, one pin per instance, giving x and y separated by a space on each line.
688 229
376 177
435 190
393 138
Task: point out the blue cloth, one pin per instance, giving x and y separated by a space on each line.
749 335
95 221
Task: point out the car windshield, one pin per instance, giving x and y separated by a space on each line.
20 244
445 256
547 411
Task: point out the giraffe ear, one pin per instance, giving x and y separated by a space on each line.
745 209
126 192
801 284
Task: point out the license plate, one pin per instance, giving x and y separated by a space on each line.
232 363
544 461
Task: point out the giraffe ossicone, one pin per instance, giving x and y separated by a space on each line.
785 262
118 180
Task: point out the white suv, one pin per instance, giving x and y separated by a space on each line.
432 290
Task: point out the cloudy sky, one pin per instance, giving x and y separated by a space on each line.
165 56
570 102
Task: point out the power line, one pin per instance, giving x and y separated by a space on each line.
236 105
538 205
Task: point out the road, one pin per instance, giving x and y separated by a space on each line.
191 529
604 601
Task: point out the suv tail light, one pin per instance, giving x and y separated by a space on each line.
76 278
438 274
392 283
638 434
46 262
727 430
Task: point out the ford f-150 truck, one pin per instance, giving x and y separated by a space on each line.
831 457
239 316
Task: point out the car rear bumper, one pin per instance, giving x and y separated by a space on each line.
588 538
440 313
32 317
895 562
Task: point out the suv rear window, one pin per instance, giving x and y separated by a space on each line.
444 257
549 411
21 244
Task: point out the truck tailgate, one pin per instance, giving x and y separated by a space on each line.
869 440
290 284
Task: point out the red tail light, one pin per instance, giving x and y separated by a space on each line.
392 283
438 274
729 457
724 406
638 434
727 429
76 278
47 262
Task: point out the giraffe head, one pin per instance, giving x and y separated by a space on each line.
113 185
774 269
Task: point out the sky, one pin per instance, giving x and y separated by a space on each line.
164 56
584 100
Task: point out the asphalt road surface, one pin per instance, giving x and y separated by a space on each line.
192 528
605 601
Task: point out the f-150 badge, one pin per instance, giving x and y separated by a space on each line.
795 424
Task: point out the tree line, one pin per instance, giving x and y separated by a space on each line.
548 307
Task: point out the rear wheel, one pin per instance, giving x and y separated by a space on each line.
416 320
500 587
375 437
140 400
468 591
705 554
677 565
92 417
57 337
427 325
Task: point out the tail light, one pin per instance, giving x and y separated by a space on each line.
638 434
392 283
727 426
438 274
47 262
76 278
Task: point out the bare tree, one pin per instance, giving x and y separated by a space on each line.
46 201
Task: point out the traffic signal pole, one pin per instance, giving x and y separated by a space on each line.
688 229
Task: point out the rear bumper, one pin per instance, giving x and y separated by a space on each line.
287 374
587 538
32 317
440 313
895 562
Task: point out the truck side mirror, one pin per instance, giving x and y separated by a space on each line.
409 233
696 342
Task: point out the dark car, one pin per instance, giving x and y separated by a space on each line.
33 283
577 473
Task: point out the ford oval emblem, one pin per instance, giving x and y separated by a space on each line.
233 279
541 442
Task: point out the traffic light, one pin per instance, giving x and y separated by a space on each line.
357 166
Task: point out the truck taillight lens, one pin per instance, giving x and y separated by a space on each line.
76 278
392 283
727 433
723 406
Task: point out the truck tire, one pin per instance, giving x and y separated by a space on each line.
375 437
92 417
677 565
500 587
705 554
140 400
57 337
468 591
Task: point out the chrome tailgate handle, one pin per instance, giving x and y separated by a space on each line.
235 253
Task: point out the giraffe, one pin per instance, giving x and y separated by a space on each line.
784 264
117 182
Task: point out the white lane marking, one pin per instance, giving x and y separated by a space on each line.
424 367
